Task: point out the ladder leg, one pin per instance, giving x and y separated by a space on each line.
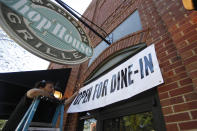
61 117
30 117
22 122
55 117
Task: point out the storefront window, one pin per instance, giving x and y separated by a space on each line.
130 25
89 125
136 122
97 51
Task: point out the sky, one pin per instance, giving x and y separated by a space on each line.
78 5
14 58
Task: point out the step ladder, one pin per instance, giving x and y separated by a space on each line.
26 121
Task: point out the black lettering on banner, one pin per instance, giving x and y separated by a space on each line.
95 90
87 95
113 84
84 96
99 90
141 68
78 99
148 63
130 81
118 81
124 78
104 92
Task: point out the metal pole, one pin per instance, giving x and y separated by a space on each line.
70 11
86 19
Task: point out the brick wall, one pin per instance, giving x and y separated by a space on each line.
70 88
167 20
173 30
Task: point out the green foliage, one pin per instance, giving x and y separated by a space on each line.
2 123
139 122
135 122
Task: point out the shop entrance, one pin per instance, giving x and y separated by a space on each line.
140 113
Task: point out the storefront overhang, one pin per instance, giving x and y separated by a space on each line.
15 84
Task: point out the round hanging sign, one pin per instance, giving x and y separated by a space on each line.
46 30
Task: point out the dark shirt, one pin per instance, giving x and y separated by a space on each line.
44 113
17 114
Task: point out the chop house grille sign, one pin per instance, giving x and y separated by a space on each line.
45 29
138 74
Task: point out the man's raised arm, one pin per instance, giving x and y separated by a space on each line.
69 100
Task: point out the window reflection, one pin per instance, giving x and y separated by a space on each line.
90 125
136 122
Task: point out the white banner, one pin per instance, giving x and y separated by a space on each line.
138 74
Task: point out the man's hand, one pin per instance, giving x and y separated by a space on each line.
69 100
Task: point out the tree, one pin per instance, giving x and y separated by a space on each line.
2 123
138 122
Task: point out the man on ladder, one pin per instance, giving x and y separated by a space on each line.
42 88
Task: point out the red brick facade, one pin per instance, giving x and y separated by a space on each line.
173 30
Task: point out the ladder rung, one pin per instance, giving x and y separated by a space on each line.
39 124
42 129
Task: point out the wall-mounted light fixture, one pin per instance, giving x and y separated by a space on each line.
58 94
